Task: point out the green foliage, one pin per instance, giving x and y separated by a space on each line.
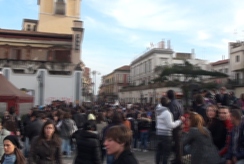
188 71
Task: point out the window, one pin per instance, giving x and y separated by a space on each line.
226 70
237 76
16 54
60 7
150 65
28 27
120 78
237 58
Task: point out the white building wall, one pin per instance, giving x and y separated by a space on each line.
56 87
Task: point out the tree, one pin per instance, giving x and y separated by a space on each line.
186 73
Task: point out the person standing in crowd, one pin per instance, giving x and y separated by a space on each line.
216 127
222 98
117 142
144 125
235 153
199 138
46 148
3 133
116 119
67 128
79 118
240 103
224 115
88 145
12 153
200 107
177 111
26 120
134 128
164 127
34 128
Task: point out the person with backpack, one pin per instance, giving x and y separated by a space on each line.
67 128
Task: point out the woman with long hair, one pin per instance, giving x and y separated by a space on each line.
199 138
46 148
12 153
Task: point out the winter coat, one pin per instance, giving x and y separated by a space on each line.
88 148
45 152
67 128
176 109
34 129
126 157
218 132
203 150
239 154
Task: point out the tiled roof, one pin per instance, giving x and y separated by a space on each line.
220 62
123 68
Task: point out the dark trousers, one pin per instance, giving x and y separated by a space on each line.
177 132
163 149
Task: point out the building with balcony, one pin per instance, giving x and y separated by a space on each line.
113 82
236 65
44 57
143 68
222 66
142 73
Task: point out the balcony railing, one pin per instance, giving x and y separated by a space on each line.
31 65
237 82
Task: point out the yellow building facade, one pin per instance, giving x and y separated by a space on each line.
58 14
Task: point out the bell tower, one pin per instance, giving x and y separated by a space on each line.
58 16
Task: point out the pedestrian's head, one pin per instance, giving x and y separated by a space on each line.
224 113
171 94
90 125
66 115
235 116
164 101
117 139
196 120
49 130
10 144
117 118
222 90
211 111
199 99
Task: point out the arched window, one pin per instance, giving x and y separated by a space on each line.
60 7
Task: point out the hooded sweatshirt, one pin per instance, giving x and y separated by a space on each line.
164 121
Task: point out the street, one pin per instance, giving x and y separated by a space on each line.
143 158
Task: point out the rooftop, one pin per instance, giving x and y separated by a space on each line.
226 61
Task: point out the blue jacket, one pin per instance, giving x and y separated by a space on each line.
240 145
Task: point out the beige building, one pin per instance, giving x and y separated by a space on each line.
113 82
59 17
45 55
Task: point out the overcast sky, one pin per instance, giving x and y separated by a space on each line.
118 31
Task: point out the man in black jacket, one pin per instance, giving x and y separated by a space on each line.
177 111
222 98
34 128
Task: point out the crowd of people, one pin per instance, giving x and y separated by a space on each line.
210 131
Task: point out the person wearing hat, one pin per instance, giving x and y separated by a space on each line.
12 153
